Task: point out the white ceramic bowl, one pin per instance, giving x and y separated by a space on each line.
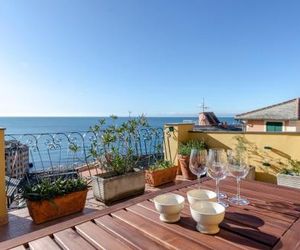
201 195
208 216
169 206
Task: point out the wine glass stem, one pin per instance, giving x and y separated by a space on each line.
217 190
199 182
238 182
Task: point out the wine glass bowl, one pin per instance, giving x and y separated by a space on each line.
217 170
238 167
198 163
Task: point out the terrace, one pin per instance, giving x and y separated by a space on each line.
271 220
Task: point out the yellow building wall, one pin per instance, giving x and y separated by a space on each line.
268 152
3 209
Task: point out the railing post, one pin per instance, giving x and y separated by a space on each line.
3 207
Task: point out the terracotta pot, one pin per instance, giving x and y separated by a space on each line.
109 188
179 169
159 177
45 210
184 166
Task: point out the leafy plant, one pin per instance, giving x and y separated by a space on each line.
47 189
292 169
115 147
186 148
160 164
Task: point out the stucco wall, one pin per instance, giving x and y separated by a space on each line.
255 126
3 209
284 146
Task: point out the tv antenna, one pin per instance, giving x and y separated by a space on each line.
202 106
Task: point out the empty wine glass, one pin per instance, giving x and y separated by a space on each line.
198 163
238 168
217 169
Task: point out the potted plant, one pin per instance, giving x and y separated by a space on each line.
290 176
184 152
48 200
161 172
115 148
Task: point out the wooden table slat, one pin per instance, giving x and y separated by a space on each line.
187 226
99 237
18 248
44 243
291 239
261 200
128 233
167 238
68 239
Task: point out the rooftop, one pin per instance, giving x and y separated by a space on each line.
288 110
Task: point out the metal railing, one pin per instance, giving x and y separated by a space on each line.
32 156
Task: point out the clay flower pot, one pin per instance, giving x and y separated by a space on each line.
45 210
162 176
184 166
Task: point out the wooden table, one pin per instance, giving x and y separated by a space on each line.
270 221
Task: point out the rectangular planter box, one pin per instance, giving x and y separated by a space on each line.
119 187
42 211
288 180
159 177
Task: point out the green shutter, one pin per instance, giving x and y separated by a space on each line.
274 126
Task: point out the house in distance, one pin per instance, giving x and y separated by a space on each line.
281 117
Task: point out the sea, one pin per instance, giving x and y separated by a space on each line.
48 138
37 125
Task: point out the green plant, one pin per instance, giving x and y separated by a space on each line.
115 146
186 148
160 164
47 189
292 169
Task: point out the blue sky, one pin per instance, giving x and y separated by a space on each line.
159 57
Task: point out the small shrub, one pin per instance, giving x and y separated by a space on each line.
292 169
186 148
162 164
48 190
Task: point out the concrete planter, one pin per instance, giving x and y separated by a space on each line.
109 189
288 180
46 210
159 177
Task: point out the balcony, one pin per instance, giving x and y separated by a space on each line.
270 221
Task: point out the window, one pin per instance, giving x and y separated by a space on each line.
274 126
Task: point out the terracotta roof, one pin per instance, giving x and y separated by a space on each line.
288 110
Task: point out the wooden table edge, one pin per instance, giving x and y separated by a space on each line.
24 239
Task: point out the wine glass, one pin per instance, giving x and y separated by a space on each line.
198 163
238 168
217 169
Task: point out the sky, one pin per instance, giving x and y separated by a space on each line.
158 57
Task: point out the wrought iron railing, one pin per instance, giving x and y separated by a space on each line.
30 156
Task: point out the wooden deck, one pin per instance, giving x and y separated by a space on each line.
271 221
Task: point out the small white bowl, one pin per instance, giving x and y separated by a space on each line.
169 206
208 216
201 195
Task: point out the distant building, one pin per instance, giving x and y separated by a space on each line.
208 121
16 159
281 117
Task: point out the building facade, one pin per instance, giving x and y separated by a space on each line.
281 117
16 159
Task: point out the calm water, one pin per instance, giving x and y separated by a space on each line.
47 156
22 125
